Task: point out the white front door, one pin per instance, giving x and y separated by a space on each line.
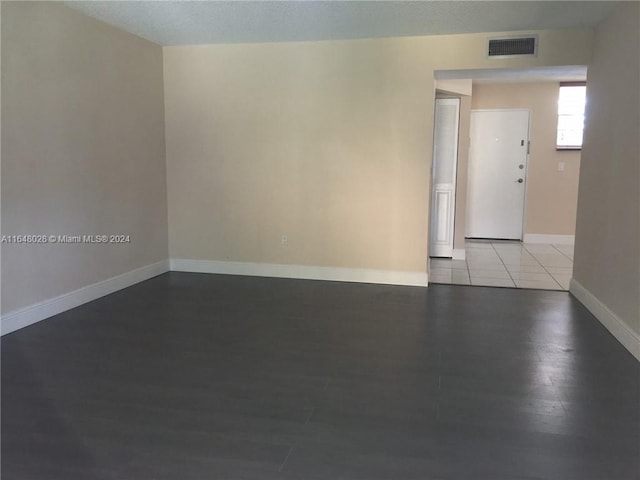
445 159
497 174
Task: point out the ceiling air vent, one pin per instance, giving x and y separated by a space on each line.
508 47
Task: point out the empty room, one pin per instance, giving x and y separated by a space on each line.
216 227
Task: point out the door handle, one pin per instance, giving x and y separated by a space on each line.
520 180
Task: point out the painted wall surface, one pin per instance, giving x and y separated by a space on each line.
455 86
83 150
607 250
551 195
329 143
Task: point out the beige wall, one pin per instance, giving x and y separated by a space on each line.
552 195
315 141
607 251
455 86
326 142
83 150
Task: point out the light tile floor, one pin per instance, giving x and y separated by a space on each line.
507 264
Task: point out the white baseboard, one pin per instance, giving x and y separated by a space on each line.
612 322
17 319
458 254
544 238
360 275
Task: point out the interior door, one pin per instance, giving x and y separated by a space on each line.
445 159
497 174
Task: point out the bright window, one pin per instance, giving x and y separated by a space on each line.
571 104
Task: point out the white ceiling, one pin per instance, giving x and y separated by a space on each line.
197 22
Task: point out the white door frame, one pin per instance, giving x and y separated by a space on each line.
526 166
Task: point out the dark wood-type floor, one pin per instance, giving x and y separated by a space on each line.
190 376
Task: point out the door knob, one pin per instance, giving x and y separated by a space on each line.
520 180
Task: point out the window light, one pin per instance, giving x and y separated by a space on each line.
571 103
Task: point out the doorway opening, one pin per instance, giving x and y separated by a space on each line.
514 194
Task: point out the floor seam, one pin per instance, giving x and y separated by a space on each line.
285 459
562 253
545 268
313 409
504 265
